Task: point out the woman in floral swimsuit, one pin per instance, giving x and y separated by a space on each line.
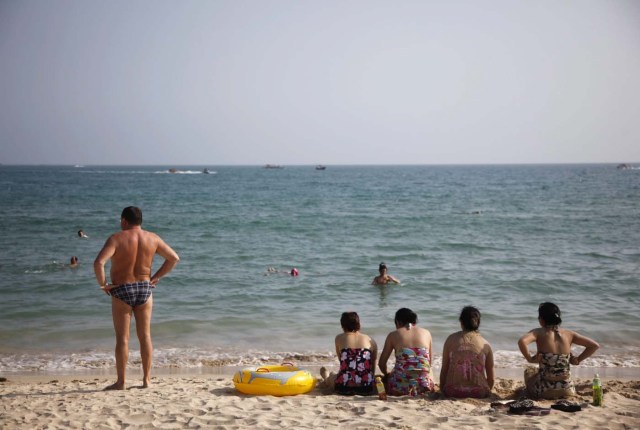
357 353
411 374
552 380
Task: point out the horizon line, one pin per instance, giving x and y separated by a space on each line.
80 165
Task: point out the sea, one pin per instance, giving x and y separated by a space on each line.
503 238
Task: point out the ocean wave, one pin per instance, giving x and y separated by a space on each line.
143 172
190 358
467 246
194 358
598 255
184 172
115 172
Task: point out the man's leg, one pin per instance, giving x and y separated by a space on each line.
121 313
143 329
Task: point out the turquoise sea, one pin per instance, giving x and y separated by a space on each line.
503 238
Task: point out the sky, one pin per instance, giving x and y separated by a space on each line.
319 82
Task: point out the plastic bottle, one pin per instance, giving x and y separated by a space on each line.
597 391
382 394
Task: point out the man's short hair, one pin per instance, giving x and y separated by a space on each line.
132 215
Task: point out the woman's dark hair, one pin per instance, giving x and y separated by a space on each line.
470 318
549 313
382 267
350 321
406 316
132 215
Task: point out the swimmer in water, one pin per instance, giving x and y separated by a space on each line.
273 271
73 262
384 278
82 235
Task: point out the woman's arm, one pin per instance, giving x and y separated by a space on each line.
430 350
523 344
374 355
488 366
589 344
445 364
384 355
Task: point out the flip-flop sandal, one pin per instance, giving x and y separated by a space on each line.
566 406
520 406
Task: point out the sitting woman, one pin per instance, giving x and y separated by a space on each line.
467 360
412 346
553 378
357 353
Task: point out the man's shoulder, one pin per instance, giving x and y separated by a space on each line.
121 235
116 236
148 233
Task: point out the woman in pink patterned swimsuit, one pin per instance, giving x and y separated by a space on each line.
467 360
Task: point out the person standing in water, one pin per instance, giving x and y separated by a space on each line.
131 253
384 278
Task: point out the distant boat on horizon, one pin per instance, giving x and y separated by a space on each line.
273 166
321 167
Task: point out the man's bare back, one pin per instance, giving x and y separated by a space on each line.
131 253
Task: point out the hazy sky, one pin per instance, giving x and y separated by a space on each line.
308 82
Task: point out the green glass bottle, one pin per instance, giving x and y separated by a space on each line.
597 391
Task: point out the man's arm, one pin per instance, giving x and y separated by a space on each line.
104 255
170 260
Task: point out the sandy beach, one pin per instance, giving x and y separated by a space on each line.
211 401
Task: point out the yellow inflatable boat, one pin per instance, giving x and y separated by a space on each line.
274 381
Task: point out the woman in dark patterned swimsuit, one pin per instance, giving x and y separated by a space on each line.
357 353
552 380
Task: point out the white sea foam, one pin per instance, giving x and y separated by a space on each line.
194 358
184 172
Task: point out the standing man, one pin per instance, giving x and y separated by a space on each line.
131 253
